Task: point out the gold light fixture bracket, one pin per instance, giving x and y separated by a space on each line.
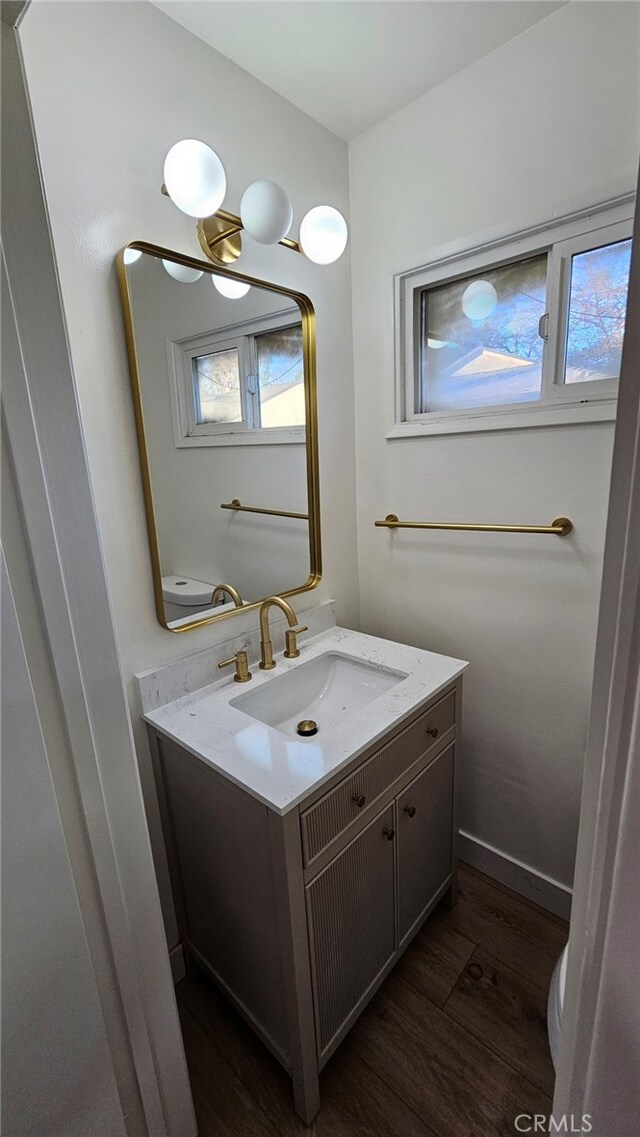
220 237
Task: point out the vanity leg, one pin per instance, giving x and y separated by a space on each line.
286 854
192 968
306 1096
451 895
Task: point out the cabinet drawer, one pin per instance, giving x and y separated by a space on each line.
341 807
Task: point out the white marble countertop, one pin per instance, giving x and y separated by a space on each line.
281 771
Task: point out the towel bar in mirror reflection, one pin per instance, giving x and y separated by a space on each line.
240 508
223 376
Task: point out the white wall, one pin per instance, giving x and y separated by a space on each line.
54 558
599 1061
128 83
259 555
544 124
50 1060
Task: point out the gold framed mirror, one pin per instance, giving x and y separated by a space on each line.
223 376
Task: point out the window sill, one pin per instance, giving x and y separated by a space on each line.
474 422
274 436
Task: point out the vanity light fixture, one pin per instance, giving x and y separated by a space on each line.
195 180
266 212
131 256
232 289
479 300
323 234
182 273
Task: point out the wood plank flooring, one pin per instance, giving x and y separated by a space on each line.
453 1045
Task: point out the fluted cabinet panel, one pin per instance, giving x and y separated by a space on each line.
424 839
229 894
351 913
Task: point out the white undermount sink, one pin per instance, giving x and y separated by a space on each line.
325 690
356 687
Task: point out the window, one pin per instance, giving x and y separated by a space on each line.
281 377
216 387
518 333
599 280
243 384
480 338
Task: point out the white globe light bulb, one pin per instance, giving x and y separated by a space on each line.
479 300
323 234
194 177
266 212
232 289
132 255
183 273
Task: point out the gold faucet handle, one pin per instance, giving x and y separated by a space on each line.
292 651
241 661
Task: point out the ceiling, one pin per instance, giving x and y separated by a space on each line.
352 63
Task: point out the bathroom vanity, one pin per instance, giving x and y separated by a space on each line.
303 867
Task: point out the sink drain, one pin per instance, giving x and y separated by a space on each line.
307 727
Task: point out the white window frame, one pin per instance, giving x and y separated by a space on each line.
591 401
180 355
211 345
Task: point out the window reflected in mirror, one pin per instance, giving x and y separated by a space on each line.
280 374
216 386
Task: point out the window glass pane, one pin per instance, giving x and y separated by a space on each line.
216 382
597 305
480 343
281 377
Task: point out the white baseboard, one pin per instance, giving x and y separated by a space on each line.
530 883
176 959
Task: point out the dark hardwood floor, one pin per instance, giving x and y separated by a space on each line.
454 1043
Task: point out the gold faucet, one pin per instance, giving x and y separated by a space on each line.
266 647
242 673
220 590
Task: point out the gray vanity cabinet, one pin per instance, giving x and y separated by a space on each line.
299 916
219 849
351 902
424 837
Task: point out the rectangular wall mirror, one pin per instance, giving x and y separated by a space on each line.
224 390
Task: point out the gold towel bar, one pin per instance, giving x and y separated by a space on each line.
561 526
240 508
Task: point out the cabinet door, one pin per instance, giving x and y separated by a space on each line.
424 840
351 915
